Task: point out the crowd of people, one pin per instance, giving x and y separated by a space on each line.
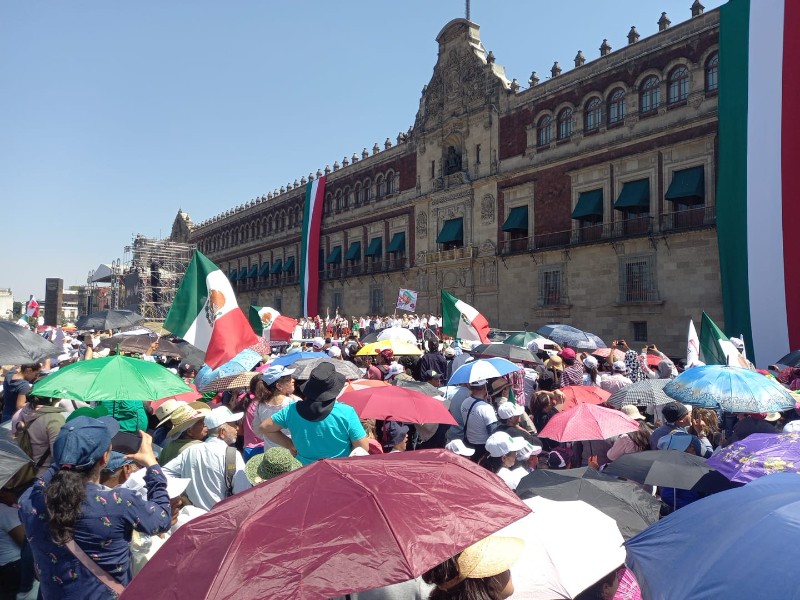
90 512
339 326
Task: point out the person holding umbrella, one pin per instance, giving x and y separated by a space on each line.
17 384
480 420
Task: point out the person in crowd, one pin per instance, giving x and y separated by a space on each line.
188 428
683 442
17 384
373 445
433 377
501 456
632 362
749 424
335 352
480 419
433 360
707 422
395 437
118 469
394 372
618 378
274 391
573 369
320 426
215 467
459 447
12 542
509 415
74 524
591 374
163 424
456 395
635 441
380 369
42 420
665 369
480 572
543 408
678 417
271 463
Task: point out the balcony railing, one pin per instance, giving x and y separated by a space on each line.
374 266
691 218
453 254
267 281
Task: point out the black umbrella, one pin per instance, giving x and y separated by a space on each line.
140 343
371 337
420 386
109 319
669 468
628 504
190 354
508 351
790 360
20 346
12 459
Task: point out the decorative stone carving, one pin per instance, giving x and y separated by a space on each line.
422 275
488 273
452 161
422 225
487 209
487 248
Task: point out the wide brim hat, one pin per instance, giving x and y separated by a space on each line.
324 383
489 557
554 362
165 410
183 418
271 463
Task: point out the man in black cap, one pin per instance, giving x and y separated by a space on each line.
676 416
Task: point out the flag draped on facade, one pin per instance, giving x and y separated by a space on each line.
758 180
205 313
462 321
270 324
309 247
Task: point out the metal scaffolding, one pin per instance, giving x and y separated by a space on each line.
153 270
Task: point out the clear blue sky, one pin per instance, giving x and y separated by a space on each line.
117 114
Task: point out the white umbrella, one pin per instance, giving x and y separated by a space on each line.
569 545
483 368
397 333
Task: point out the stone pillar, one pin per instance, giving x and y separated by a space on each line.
54 301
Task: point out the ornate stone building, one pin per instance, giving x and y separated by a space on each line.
588 198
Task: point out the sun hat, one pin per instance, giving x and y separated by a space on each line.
271 463
87 411
772 417
498 385
680 440
182 418
117 460
567 354
529 450
500 443
590 362
221 415
632 412
509 409
83 441
478 383
324 383
394 370
619 366
673 411
460 448
175 485
166 409
275 372
488 557
394 433
554 362
334 352
200 406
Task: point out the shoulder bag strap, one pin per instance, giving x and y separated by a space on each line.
112 584
230 468
469 412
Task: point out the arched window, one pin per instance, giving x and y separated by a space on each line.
616 106
270 224
678 89
565 124
390 182
338 200
297 216
544 131
359 195
367 191
649 94
347 196
380 191
326 206
592 115
712 73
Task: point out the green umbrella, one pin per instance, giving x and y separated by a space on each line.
108 379
522 339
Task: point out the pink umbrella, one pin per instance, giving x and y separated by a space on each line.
583 394
398 404
588 422
606 352
362 384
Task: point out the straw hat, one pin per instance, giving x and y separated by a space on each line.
183 418
632 412
271 463
489 557
554 362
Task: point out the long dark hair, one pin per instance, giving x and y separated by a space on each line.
641 437
63 497
488 588
261 390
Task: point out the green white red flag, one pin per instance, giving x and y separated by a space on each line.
309 247
462 321
205 313
716 348
271 324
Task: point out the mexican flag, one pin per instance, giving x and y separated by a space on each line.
270 324
32 309
715 346
463 322
758 191
205 313
309 247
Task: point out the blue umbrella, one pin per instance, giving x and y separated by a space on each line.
484 368
566 335
741 543
733 389
288 359
244 361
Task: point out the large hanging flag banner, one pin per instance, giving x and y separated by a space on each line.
270 324
309 247
758 191
462 321
715 346
205 313
407 300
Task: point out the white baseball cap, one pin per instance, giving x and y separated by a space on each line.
459 447
509 409
220 416
334 352
500 443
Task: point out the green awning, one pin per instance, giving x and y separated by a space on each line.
335 257
233 275
517 219
374 248
589 206
398 243
253 272
353 252
288 266
242 273
688 186
452 231
634 197
276 266
264 270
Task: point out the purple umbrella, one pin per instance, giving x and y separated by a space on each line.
757 455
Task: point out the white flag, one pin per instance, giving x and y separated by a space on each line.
407 300
693 347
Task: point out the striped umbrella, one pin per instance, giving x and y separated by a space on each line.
648 392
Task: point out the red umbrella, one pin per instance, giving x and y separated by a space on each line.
334 527
653 360
588 422
398 404
583 394
184 397
605 352
362 384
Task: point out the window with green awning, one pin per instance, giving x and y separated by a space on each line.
374 248
242 273
233 275
288 266
335 257
517 219
276 266
634 197
452 232
589 206
253 272
264 270
398 243
354 251
688 186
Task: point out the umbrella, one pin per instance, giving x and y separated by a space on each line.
606 352
420 386
109 319
627 503
790 360
371 337
20 346
362 384
230 382
668 468
568 546
508 351
331 528
397 333
190 354
483 368
140 343
398 404
396 346
112 378
12 459
733 389
566 335
185 397
588 422
522 339
648 392
244 361
583 394
741 543
306 365
757 455
290 359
